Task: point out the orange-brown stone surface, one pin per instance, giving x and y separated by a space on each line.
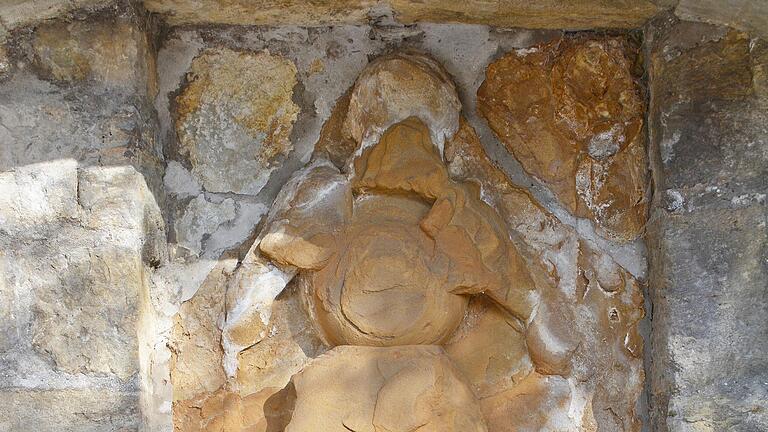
583 338
268 410
397 273
571 112
448 297
408 388
489 348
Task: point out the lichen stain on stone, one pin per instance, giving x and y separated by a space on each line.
234 117
572 113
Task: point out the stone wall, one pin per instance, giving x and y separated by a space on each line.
747 15
80 230
709 260
139 161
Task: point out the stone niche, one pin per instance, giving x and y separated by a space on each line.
401 282
383 216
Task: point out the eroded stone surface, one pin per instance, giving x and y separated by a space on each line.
18 13
609 295
557 14
69 324
571 113
395 272
107 51
5 64
749 16
538 403
581 14
90 410
77 260
386 292
268 410
196 339
81 229
209 226
67 74
291 343
234 117
299 222
396 388
489 349
390 239
709 239
396 87
586 324
273 13
91 296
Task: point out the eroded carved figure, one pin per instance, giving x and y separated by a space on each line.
446 298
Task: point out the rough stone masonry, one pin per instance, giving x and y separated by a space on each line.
171 233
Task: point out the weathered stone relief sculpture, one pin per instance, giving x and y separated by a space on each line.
461 238
400 282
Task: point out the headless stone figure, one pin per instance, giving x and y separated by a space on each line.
408 275
387 281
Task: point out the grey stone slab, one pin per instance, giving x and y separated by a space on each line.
712 292
80 410
708 246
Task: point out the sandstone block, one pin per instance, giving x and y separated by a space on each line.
107 51
748 16
37 195
81 91
86 321
709 364
78 291
273 13
554 14
234 117
572 114
82 410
